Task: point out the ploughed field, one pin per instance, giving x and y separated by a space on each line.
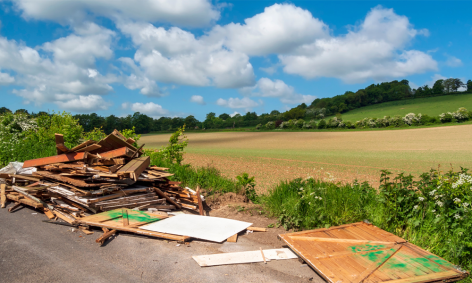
340 156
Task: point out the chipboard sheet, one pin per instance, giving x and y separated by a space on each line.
243 257
201 227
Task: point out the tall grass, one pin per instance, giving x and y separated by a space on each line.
433 213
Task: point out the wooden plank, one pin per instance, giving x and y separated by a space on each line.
48 213
451 274
124 212
32 197
233 239
60 147
331 240
67 218
65 179
114 141
89 148
67 157
135 167
120 152
82 145
244 257
376 265
3 197
161 194
257 229
200 205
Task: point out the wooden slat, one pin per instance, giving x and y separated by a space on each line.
89 148
3 197
331 240
451 274
120 152
68 157
161 194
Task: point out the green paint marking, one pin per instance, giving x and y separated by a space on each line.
133 215
365 248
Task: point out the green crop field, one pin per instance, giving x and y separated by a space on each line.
432 106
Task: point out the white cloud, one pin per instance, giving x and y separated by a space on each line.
84 103
236 103
62 79
434 78
151 109
234 114
176 56
180 12
6 79
276 88
279 29
453 61
197 99
372 50
269 70
124 105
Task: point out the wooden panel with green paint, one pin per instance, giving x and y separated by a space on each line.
361 252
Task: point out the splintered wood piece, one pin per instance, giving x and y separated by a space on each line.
86 231
60 147
3 197
124 214
257 229
14 207
233 239
32 197
161 194
67 157
135 167
200 205
48 213
130 141
82 145
67 218
105 236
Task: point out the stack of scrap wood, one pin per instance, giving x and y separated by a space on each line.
94 177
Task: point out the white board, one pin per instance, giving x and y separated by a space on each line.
243 257
201 227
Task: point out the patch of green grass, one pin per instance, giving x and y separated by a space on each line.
432 106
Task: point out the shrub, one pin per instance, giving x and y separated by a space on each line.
299 123
411 119
461 114
446 117
248 185
277 123
396 121
309 125
321 124
258 126
383 122
174 151
334 122
270 125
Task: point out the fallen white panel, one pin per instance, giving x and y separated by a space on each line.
243 257
201 227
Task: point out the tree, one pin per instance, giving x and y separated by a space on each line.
448 85
438 87
224 116
295 113
274 113
191 122
469 86
4 110
457 84
21 111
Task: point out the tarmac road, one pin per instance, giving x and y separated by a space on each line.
34 251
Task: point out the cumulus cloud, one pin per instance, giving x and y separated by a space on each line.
279 29
6 79
236 103
151 109
84 103
234 114
453 61
61 78
138 80
176 56
180 12
372 50
197 99
276 88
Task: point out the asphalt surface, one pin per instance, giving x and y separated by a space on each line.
35 251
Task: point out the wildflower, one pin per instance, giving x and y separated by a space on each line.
457 200
457 216
437 215
301 189
432 192
439 203
460 233
415 207
421 198
433 211
465 204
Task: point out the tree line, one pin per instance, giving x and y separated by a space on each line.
318 109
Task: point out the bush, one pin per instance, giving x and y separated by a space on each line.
174 151
23 137
270 125
258 126
446 117
277 123
396 121
309 125
321 124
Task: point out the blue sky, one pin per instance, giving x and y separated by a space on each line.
192 57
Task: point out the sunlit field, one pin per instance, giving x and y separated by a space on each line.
341 156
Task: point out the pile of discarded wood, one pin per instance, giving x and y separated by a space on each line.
94 177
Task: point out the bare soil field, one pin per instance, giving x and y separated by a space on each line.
340 156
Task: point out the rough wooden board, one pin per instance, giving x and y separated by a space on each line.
89 148
60 148
112 220
68 157
202 227
163 195
244 257
232 239
135 167
361 252
3 197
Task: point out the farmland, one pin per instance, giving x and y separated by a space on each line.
339 156
432 106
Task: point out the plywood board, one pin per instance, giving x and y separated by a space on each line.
201 227
361 252
243 257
